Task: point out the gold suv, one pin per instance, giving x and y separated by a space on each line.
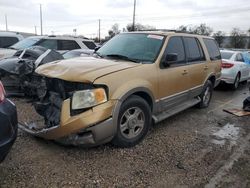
134 79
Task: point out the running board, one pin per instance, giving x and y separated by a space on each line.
166 114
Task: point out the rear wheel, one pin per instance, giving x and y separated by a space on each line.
206 95
133 123
236 82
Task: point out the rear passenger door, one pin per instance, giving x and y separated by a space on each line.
197 65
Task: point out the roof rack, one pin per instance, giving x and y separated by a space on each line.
167 30
164 30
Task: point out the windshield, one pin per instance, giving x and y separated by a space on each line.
133 46
226 55
25 43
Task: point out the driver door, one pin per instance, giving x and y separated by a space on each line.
174 79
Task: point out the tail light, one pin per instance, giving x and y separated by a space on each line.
2 92
226 65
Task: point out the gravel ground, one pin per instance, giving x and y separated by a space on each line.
178 152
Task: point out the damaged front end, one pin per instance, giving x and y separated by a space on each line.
18 72
69 124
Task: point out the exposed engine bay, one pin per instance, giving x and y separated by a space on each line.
54 93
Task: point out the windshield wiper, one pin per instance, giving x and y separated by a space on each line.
123 57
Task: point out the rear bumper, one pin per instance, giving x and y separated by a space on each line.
8 127
228 76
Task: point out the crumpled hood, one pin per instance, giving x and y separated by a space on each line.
4 53
83 69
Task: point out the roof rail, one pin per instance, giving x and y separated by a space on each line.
164 30
167 30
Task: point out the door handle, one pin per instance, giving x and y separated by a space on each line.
184 72
206 68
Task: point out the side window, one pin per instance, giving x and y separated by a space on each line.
175 46
239 57
48 43
193 49
6 42
67 45
89 44
213 49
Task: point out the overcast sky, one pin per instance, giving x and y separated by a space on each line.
62 16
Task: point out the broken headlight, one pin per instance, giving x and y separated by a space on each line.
88 98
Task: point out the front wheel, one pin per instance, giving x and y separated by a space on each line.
133 123
206 95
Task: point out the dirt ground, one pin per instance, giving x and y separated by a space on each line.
196 148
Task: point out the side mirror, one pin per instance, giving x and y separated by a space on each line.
170 59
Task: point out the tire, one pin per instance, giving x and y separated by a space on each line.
134 121
236 82
206 95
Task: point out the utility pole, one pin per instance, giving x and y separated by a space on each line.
133 26
99 33
35 30
41 19
6 22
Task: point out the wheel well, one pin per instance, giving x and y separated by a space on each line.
146 97
239 73
212 79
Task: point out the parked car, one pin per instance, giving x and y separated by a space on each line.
131 80
58 43
8 124
234 69
18 72
77 53
246 57
9 38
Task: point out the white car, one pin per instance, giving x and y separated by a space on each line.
9 38
58 43
234 69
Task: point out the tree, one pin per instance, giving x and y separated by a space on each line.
219 37
114 30
202 29
237 39
183 28
139 27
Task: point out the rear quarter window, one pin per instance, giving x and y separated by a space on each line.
212 48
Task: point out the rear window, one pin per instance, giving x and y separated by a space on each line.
212 49
89 44
226 55
67 45
6 42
